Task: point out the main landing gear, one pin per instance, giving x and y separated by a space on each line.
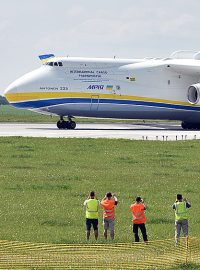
190 126
62 124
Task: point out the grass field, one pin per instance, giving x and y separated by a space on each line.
11 114
43 183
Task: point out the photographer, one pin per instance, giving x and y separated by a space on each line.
181 216
108 204
92 209
139 219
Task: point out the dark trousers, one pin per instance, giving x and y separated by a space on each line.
143 231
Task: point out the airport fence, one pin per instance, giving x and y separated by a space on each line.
154 255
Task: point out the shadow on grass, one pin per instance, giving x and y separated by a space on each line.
16 187
166 155
129 160
189 266
80 195
25 148
54 223
23 167
46 186
66 241
197 170
51 187
160 221
21 156
189 190
162 173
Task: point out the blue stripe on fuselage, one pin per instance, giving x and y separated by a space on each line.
53 102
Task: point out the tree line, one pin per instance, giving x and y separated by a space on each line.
3 101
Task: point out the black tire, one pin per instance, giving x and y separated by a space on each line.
190 126
65 124
197 126
62 124
71 125
59 124
184 125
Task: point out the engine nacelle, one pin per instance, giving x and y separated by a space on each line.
194 94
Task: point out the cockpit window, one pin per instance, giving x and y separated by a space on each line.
60 64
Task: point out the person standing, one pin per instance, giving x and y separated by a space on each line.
92 208
139 219
181 216
108 204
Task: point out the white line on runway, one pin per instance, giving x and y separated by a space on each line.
135 131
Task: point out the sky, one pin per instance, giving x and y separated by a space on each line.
93 28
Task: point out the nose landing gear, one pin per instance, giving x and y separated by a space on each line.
62 124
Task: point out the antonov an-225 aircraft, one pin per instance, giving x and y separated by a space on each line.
149 88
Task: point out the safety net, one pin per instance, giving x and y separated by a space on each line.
161 254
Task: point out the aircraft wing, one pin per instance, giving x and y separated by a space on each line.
186 66
149 64
181 66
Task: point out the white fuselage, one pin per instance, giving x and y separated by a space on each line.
110 88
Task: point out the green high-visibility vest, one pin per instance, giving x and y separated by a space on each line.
92 209
181 211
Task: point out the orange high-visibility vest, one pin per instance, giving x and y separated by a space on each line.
109 208
137 210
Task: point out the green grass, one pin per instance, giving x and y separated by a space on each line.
190 266
11 114
43 183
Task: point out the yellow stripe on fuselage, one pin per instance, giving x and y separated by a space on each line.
20 97
17 97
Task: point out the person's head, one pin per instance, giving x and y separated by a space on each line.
179 197
92 194
138 199
108 195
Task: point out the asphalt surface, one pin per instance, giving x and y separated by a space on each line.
163 131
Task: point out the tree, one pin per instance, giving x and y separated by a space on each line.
3 101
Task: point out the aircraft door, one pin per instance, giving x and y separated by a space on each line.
94 103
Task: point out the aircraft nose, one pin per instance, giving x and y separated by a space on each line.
16 91
23 89
10 91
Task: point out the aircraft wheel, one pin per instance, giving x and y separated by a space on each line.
71 125
197 127
190 126
59 124
184 125
62 124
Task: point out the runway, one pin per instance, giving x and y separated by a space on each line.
163 131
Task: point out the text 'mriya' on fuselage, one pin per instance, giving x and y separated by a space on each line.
149 88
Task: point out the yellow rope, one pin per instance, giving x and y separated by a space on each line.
160 254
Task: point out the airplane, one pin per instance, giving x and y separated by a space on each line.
147 88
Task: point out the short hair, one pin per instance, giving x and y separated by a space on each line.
179 196
138 199
109 194
92 194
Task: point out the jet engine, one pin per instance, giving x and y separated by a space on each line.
194 94
194 99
